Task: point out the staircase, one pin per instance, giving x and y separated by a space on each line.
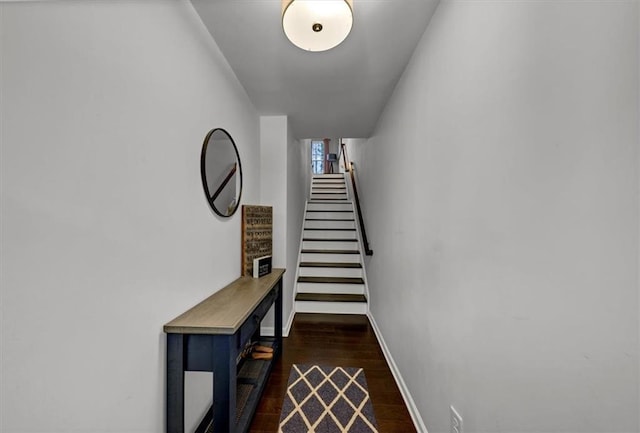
330 277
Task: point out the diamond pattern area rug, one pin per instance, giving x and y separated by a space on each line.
323 399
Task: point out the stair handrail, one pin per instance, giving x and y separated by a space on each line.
351 169
224 182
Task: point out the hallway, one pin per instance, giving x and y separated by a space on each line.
498 178
335 340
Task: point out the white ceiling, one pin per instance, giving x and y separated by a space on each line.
336 93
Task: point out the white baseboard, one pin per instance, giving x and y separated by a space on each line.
287 327
269 331
411 405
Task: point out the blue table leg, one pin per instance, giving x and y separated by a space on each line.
175 383
224 383
278 318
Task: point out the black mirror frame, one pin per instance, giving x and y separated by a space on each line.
203 174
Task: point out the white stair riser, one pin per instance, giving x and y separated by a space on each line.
329 234
329 176
327 185
331 307
338 289
330 206
321 245
330 215
328 191
330 272
329 225
328 196
332 258
329 202
333 187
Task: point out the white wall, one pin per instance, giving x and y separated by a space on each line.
306 144
298 189
500 189
273 192
273 181
282 186
355 149
106 233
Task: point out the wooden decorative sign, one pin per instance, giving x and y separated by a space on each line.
257 235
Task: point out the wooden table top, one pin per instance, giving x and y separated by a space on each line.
226 310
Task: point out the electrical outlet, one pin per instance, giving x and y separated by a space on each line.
456 421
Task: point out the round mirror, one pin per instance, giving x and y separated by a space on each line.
221 172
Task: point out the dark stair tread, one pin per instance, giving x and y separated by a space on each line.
329 192
327 219
326 200
329 240
330 297
312 239
315 251
329 229
329 265
331 280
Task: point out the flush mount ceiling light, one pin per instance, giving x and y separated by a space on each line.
317 25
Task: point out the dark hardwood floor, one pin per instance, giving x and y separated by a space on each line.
335 340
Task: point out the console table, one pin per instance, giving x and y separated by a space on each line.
210 337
